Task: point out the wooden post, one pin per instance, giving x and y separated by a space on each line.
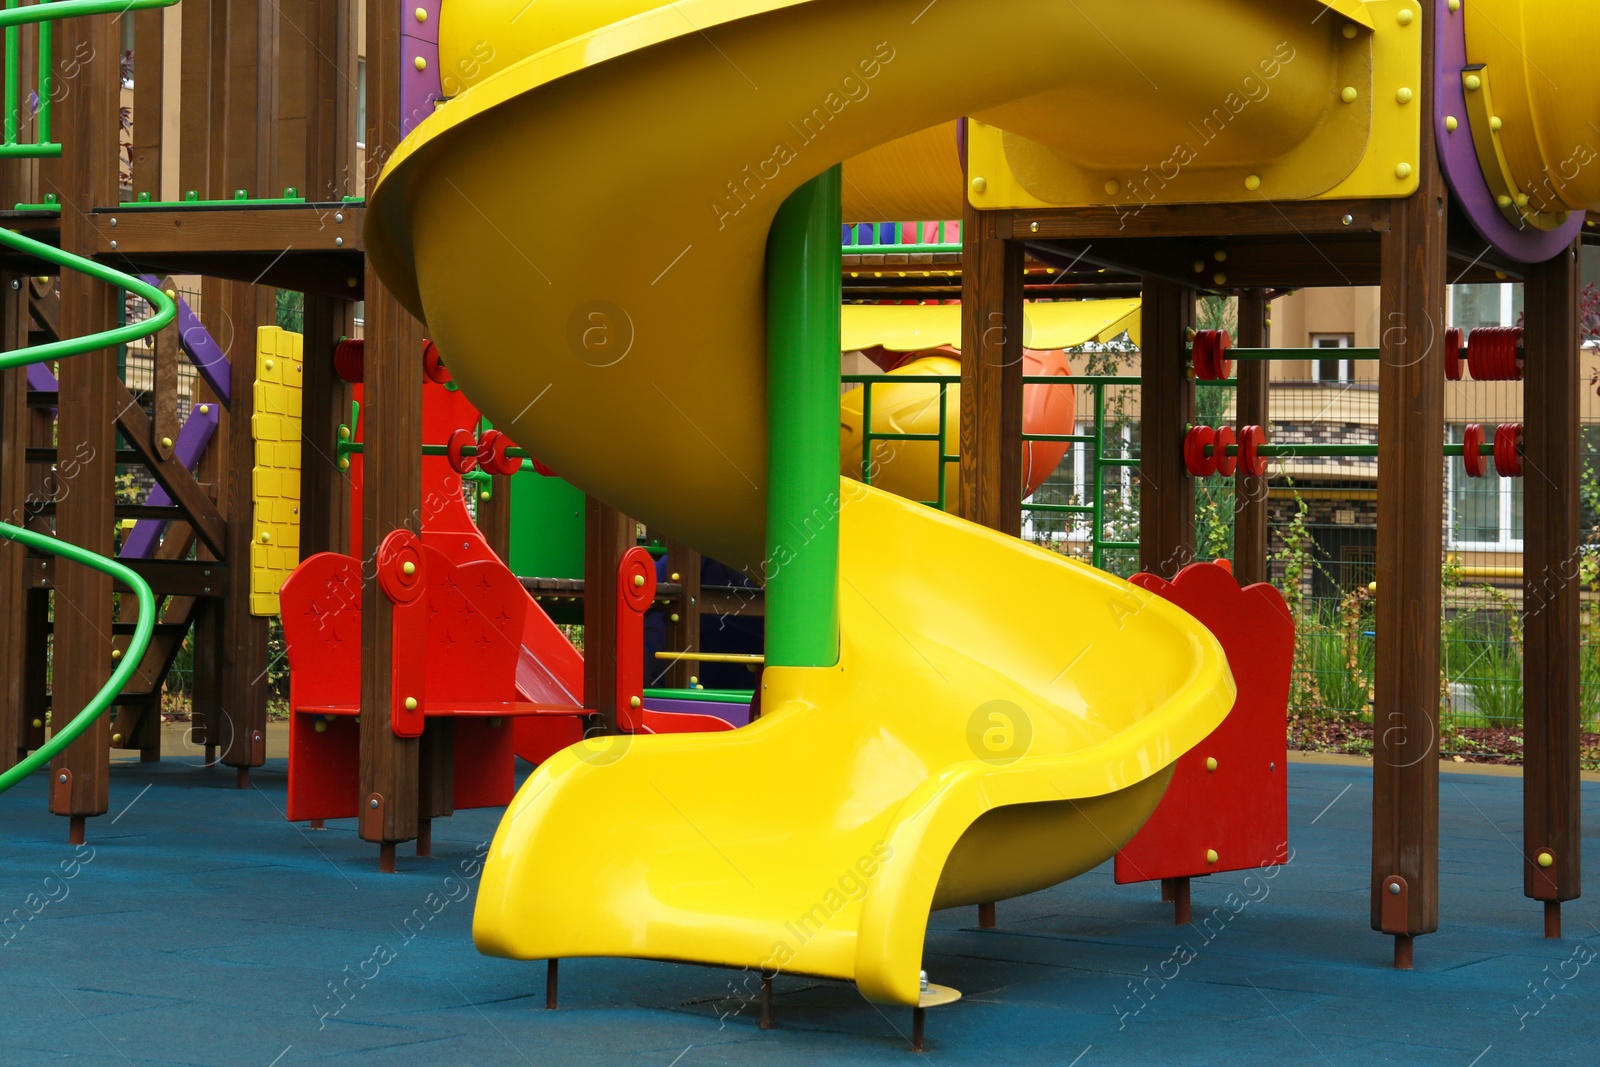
685 633
392 481
607 534
1405 772
1552 715
88 127
330 135
494 516
991 372
14 423
1166 410
244 109
1250 409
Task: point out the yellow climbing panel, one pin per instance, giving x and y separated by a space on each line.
275 482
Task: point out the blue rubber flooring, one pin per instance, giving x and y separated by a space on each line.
198 927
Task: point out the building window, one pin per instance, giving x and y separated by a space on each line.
1494 304
1485 513
361 103
1331 370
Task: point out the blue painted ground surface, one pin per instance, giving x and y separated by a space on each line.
203 929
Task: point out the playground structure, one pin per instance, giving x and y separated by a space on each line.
1386 152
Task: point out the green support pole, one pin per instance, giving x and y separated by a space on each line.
804 275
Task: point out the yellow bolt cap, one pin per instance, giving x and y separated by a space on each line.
205 409
634 702
1546 859
266 535
677 577
1211 763
638 581
1402 170
1495 123
1473 83
1113 187
116 739
408 567
320 727
979 185
116 653
411 703
1451 123
1252 182
1405 16
422 14
420 63
674 616
1349 94
166 442
1211 855
1349 31
1404 95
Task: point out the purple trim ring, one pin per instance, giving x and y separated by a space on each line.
1460 159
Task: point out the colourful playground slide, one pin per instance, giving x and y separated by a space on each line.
583 229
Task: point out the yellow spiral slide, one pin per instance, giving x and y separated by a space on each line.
583 228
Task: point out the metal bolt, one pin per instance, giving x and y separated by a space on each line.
338 216
1348 219
373 804
62 779
1394 889
113 246
113 221
338 242
1033 226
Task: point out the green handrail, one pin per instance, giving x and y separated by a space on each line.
143 628
164 308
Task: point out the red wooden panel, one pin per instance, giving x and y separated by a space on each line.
1241 809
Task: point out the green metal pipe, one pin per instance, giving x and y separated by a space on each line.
41 126
13 77
804 294
66 9
163 308
63 736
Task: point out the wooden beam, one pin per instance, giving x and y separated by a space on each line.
88 127
197 84
166 577
607 535
262 230
1166 491
991 373
169 471
1250 494
1201 220
1405 758
1552 802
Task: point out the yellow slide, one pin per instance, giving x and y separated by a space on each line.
583 229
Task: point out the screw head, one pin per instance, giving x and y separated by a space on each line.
62 779
373 803
1394 889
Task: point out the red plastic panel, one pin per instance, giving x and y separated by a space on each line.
636 590
403 575
475 623
1240 810
321 605
484 763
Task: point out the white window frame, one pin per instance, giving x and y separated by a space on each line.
1345 369
1508 305
1505 487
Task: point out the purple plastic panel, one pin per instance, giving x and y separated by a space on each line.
192 441
737 714
203 351
419 88
1460 158
40 380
